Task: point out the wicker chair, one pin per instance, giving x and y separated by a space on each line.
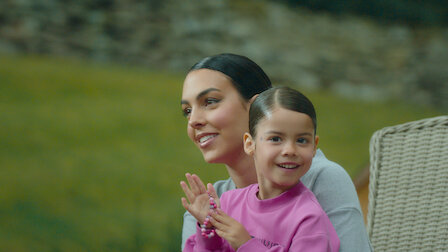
408 190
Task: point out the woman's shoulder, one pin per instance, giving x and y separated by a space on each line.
322 163
330 183
222 186
324 169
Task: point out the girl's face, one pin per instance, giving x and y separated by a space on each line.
217 115
283 149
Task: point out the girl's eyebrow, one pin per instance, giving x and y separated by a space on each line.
280 133
274 132
208 90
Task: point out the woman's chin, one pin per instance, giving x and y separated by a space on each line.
210 158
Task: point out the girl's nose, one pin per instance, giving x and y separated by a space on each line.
196 119
289 149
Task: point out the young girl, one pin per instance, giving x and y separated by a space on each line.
279 213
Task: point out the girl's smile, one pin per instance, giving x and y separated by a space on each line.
288 165
283 150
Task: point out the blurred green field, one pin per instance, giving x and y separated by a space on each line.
91 155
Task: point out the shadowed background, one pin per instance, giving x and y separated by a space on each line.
92 141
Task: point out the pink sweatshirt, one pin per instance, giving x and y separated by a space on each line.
292 221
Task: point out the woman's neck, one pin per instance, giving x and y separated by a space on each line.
243 171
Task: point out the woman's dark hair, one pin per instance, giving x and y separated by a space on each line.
283 97
247 77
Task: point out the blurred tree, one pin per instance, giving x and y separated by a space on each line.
414 12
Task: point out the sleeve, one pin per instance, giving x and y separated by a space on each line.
188 228
198 243
337 195
316 243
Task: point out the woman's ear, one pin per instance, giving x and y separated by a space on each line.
249 144
253 98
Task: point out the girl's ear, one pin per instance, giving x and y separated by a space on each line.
316 141
249 144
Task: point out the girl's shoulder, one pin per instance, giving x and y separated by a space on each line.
238 194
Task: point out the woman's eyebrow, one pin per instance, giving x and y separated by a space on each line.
208 90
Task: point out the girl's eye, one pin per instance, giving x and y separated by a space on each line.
275 139
186 112
302 140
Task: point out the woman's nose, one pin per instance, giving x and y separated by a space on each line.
196 119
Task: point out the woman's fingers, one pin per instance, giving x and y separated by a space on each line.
188 193
195 184
213 193
199 183
192 183
185 203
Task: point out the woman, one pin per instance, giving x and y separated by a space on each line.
216 98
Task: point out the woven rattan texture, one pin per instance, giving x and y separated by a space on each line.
408 191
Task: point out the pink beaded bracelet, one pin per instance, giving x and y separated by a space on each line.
209 232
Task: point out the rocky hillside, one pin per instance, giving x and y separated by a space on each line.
351 56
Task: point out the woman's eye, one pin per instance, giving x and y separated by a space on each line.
210 101
186 112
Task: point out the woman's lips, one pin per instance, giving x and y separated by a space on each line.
205 139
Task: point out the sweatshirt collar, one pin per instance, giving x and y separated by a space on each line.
272 204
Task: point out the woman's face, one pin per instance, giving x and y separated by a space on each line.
217 115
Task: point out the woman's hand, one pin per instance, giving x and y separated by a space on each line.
229 229
198 203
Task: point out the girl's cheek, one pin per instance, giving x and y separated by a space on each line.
310 154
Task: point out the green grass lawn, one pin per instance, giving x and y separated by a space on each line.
91 155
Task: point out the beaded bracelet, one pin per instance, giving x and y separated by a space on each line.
209 232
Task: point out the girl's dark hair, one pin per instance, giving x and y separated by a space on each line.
283 97
247 77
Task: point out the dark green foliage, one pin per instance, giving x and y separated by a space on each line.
415 12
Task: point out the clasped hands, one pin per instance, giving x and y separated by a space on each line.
198 204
